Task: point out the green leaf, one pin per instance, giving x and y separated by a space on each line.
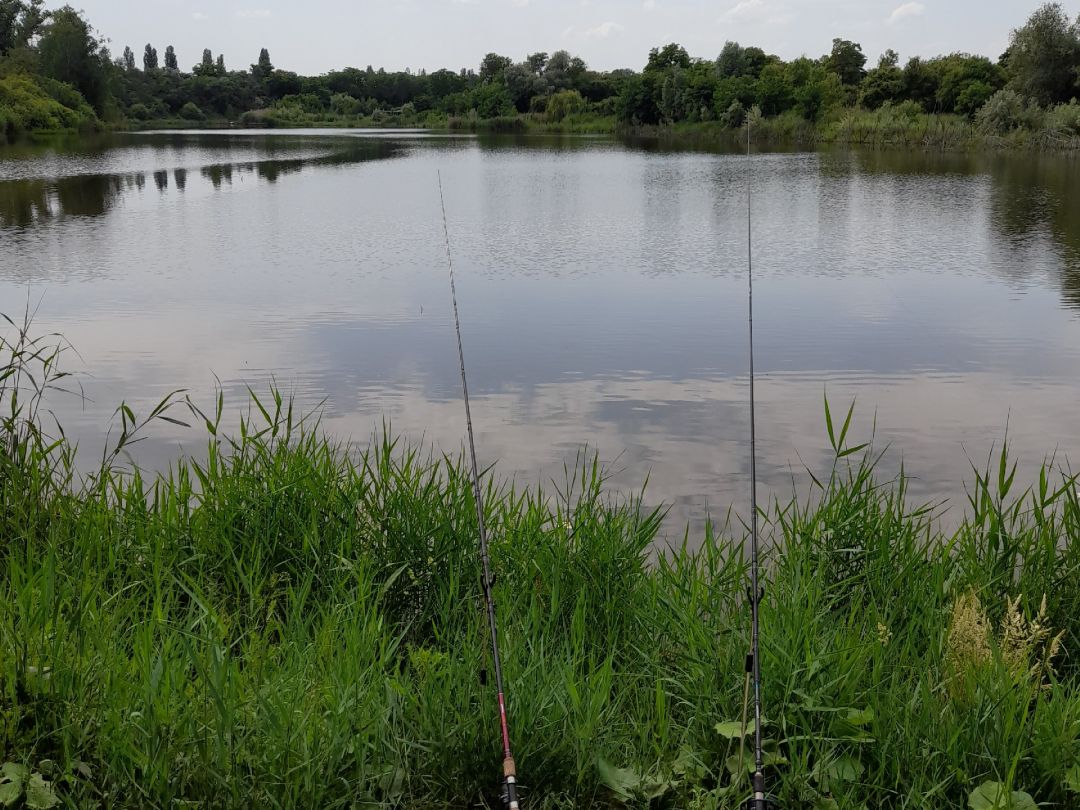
844 769
860 717
733 729
688 765
1072 778
623 782
39 794
774 760
12 780
656 788
993 796
732 764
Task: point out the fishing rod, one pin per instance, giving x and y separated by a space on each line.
758 800
509 780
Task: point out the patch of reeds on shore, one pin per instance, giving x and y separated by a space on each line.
285 623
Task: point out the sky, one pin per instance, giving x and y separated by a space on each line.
314 36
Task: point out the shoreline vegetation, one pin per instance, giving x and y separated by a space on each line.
57 74
284 621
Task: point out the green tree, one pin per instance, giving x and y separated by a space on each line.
171 64
737 91
150 59
813 88
560 71
491 100
20 22
219 65
638 100
883 83
492 67
128 58
522 84
774 91
1044 56
921 83
262 69
672 88
70 52
735 61
663 59
699 91
847 61
537 62
971 99
964 81
206 65
563 104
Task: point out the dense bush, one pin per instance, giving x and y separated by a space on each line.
32 103
563 104
1006 111
191 112
1064 119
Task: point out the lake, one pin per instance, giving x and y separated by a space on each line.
602 287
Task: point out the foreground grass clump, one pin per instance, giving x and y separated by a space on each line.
288 624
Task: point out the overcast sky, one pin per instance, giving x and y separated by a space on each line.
314 36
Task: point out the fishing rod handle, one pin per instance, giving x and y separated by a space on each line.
509 796
759 800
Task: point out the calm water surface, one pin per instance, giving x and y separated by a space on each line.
602 292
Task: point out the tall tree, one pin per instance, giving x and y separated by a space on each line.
883 83
536 62
20 22
219 66
735 61
149 59
673 55
262 69
1044 56
129 58
206 66
171 63
493 65
71 53
847 61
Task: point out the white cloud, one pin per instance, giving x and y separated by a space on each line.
601 31
200 16
906 10
758 11
253 13
649 5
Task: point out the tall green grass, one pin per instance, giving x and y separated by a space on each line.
284 623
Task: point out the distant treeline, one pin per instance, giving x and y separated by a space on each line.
55 72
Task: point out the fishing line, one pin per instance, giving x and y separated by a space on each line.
509 780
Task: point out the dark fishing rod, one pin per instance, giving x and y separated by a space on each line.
759 800
509 780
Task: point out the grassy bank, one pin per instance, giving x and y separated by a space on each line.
888 126
286 623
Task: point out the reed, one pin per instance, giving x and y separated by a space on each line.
281 622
